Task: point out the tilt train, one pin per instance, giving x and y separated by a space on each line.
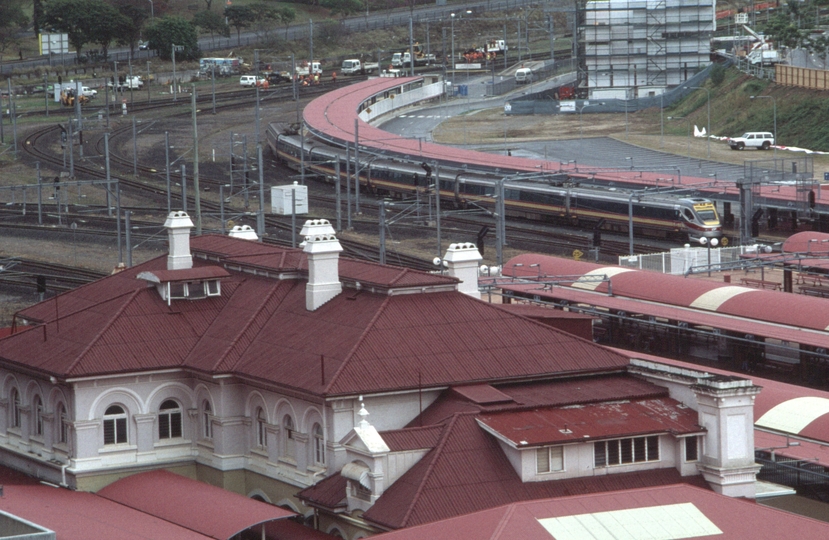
553 199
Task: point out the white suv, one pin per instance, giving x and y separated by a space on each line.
247 80
761 140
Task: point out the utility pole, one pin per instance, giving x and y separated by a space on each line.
196 164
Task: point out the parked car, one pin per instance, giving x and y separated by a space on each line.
143 45
89 92
523 76
761 140
248 80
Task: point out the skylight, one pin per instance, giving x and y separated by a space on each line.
668 522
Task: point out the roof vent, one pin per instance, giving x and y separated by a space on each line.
178 226
243 232
315 227
462 261
323 250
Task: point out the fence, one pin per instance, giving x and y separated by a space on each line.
545 102
815 79
807 477
680 261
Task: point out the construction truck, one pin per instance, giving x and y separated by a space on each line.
493 47
762 52
67 97
404 58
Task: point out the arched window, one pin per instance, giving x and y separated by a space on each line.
38 407
115 425
169 420
319 445
15 401
63 418
207 421
288 435
261 433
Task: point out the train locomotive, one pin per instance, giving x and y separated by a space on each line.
551 198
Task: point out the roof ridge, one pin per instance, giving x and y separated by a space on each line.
258 311
438 448
410 429
505 517
357 343
112 319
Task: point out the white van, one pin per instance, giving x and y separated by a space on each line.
523 76
247 80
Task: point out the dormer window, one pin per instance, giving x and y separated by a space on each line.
193 290
186 284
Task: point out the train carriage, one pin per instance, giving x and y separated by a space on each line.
551 199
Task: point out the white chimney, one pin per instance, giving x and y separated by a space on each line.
178 226
243 232
315 227
323 251
462 263
726 411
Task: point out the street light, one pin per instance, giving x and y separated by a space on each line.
452 15
708 129
713 242
774 104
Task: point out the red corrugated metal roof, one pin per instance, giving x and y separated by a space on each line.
737 519
197 506
189 274
259 327
328 493
483 394
591 422
415 438
785 309
467 471
78 515
773 394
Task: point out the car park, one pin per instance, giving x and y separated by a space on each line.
761 140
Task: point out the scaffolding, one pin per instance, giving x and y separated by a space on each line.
630 47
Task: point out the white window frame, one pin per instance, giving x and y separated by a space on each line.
613 452
38 408
15 408
261 432
289 442
119 423
207 419
63 425
319 444
696 441
170 418
549 459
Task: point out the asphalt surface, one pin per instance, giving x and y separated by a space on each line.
590 152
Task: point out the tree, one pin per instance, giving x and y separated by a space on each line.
107 26
285 15
37 15
343 8
168 31
136 13
82 21
239 17
12 21
210 21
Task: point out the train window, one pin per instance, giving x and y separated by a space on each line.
707 215
688 214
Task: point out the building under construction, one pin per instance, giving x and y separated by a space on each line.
637 48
